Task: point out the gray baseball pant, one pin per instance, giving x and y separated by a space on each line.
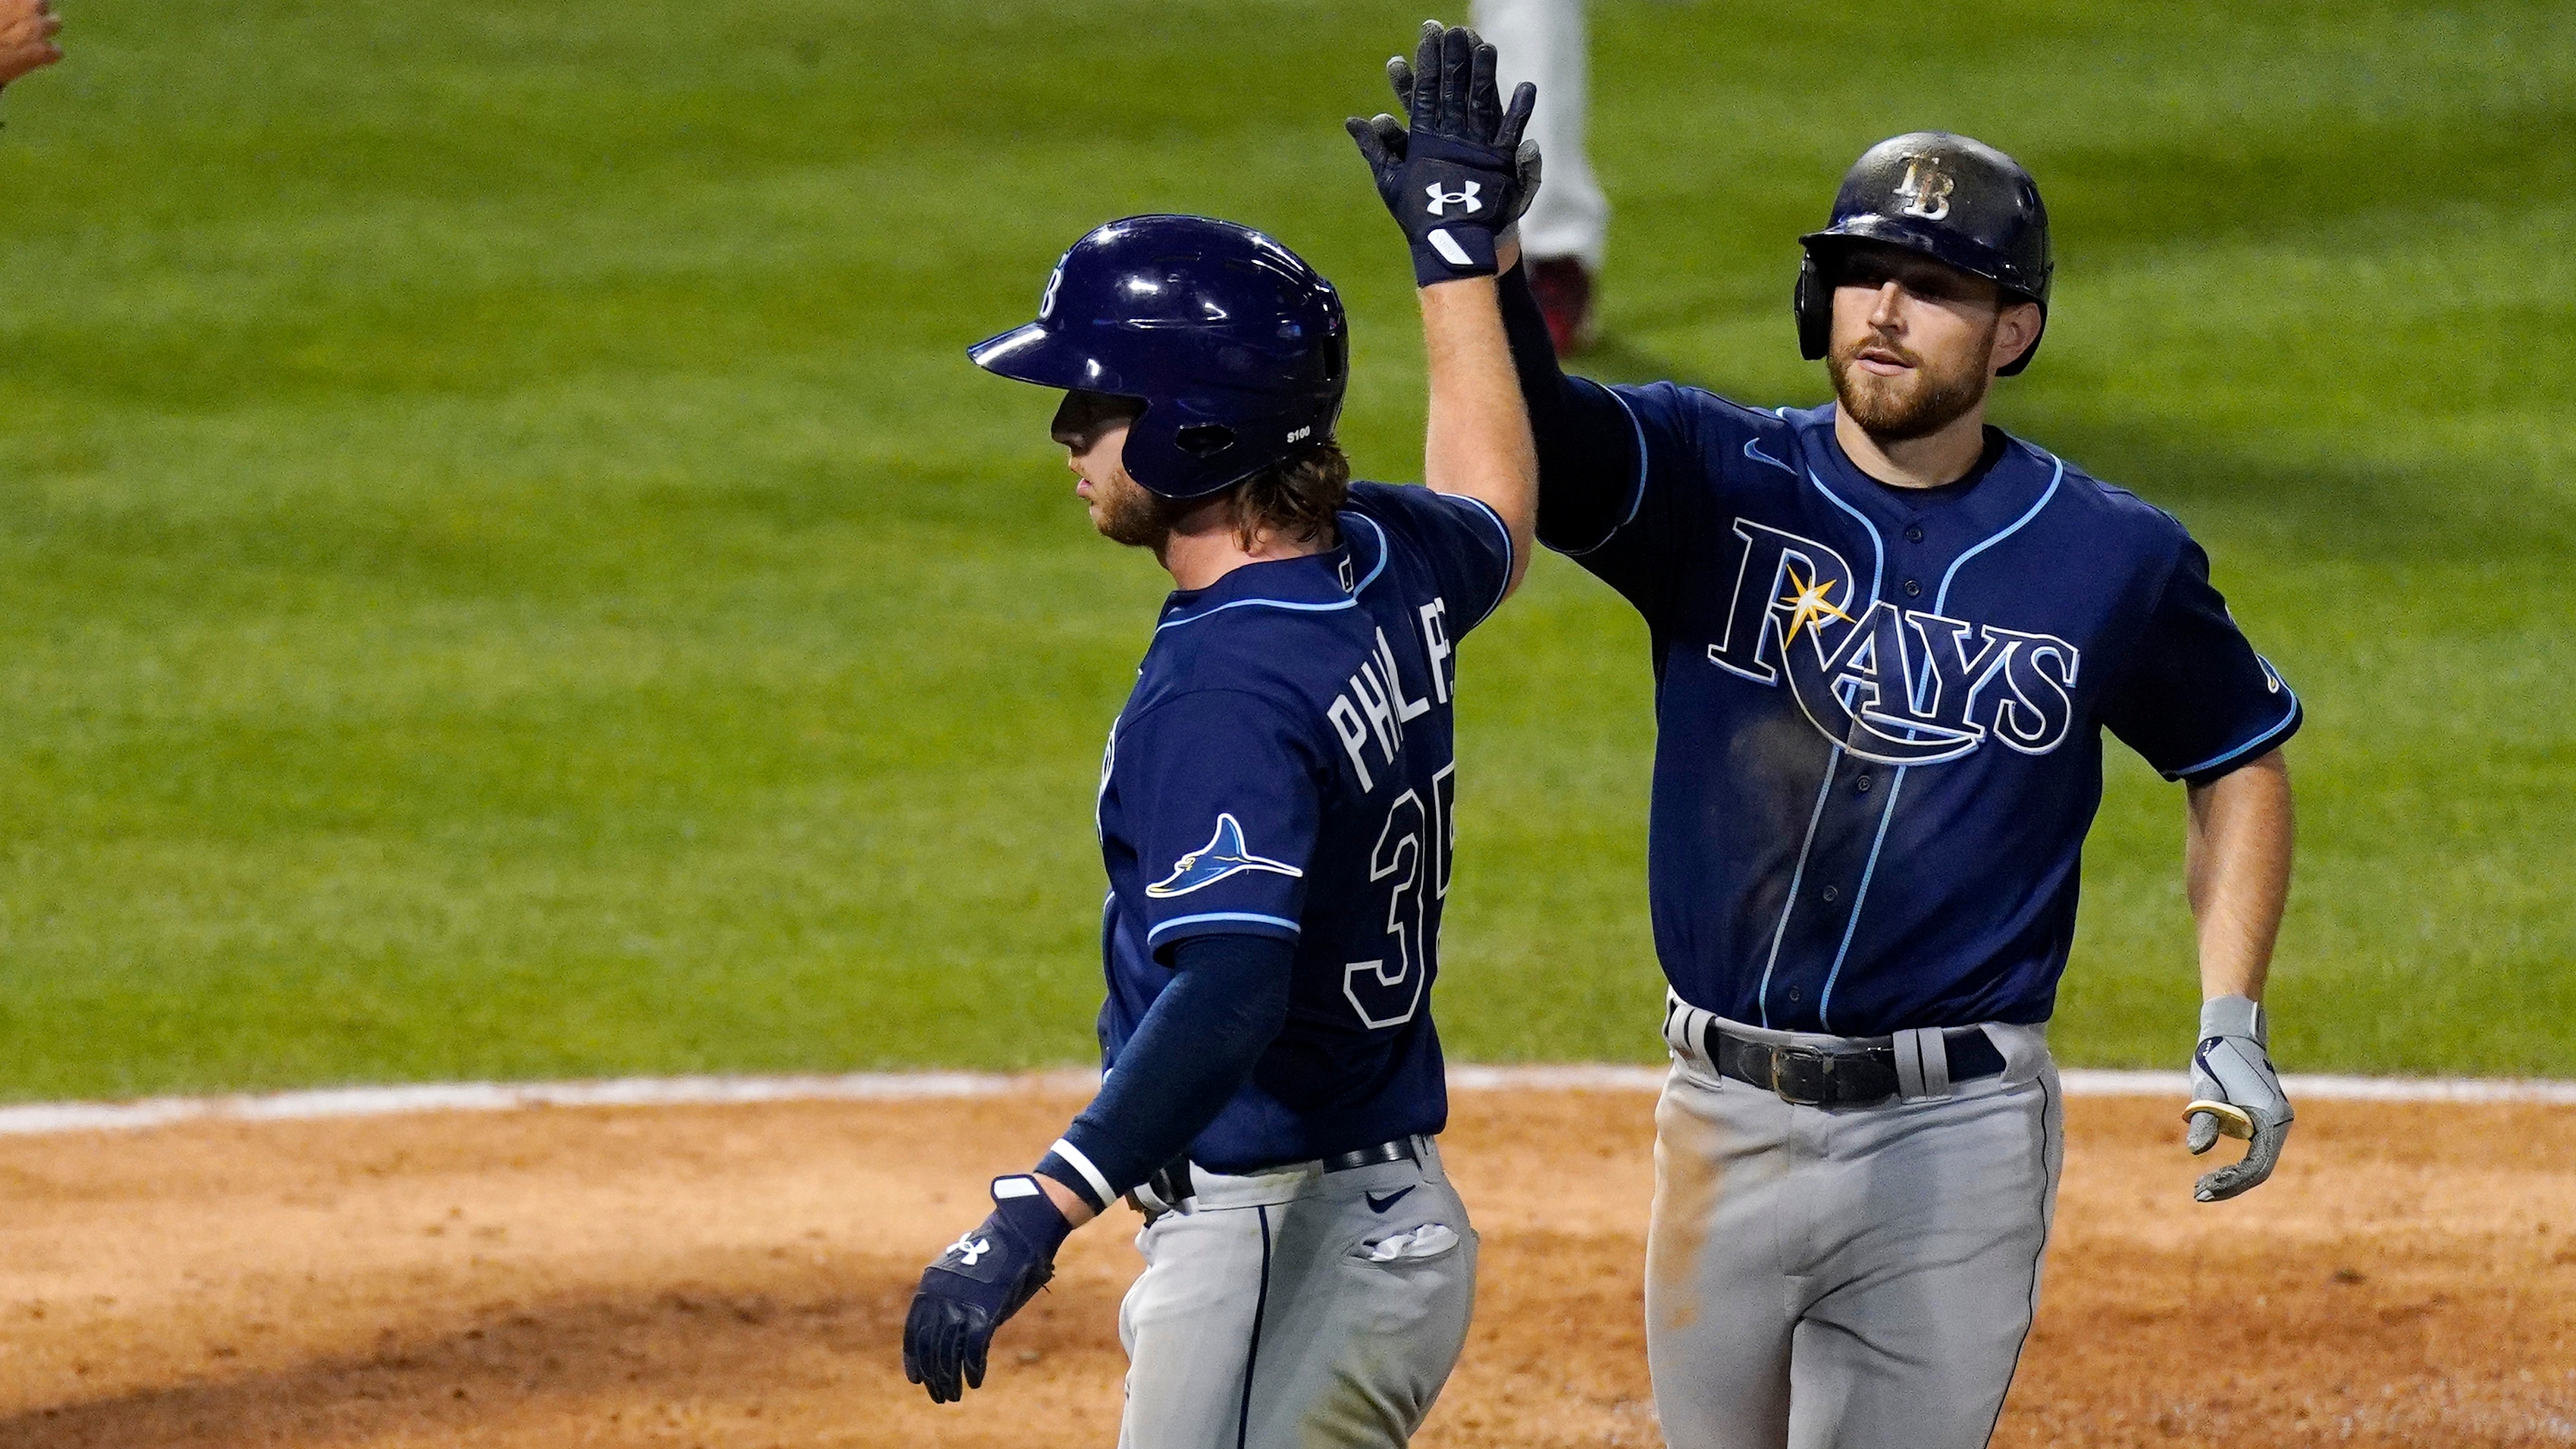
1298 1307
1845 1278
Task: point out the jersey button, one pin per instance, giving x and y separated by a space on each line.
1913 590
1830 893
1914 533
1861 784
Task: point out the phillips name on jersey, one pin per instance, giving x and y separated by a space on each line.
1284 767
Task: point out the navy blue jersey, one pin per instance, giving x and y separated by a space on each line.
1284 768
1879 710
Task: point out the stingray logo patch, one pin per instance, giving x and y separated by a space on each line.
1222 856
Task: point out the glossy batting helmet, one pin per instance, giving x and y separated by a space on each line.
1235 346
1946 196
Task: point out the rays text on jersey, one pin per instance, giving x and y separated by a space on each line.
1895 685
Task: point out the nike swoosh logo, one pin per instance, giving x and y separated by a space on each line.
1381 1204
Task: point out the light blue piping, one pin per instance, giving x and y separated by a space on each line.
1380 566
1762 993
1510 554
1886 817
1634 426
1349 603
1878 575
1877 545
2267 735
1941 600
1257 603
1887 814
1222 916
1638 500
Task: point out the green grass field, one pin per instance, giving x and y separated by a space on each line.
504 570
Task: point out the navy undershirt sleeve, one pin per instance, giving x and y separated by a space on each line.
1227 1001
1587 447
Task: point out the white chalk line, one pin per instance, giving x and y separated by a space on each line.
42 1118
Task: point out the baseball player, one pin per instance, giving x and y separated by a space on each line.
1277 814
1887 639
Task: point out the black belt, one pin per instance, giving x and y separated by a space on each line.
1838 1076
1400 1150
1173 1188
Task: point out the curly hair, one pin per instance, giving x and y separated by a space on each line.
1293 499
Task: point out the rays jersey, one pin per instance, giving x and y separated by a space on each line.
1284 768
1880 710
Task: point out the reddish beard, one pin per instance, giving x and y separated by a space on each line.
1918 402
1131 515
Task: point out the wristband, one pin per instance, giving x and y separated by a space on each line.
1067 1164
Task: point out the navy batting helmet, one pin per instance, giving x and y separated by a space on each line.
1236 347
1946 196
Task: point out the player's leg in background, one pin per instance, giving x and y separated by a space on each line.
1942 1209
1373 1284
1567 227
1717 1299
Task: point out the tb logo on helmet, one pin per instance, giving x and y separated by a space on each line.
1926 188
1465 199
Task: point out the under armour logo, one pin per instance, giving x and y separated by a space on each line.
1466 200
1926 188
969 1248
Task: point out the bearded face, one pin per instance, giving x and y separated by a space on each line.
1093 428
1125 513
1910 392
1912 346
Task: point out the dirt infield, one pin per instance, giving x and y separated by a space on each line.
736 1276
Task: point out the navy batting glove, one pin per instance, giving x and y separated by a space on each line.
976 1286
1462 174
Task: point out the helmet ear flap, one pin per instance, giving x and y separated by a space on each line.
1814 304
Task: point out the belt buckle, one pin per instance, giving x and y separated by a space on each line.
1799 1075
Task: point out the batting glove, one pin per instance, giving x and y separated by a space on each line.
976 1286
1462 175
2235 1091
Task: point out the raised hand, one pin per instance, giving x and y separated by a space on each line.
27 30
1461 174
